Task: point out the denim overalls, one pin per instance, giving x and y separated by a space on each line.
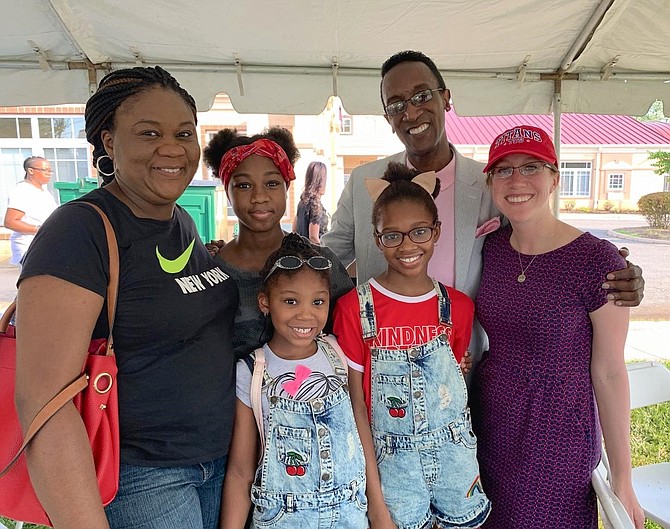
312 473
426 450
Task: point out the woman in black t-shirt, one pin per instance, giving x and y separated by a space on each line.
173 326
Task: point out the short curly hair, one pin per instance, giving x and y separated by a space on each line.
226 139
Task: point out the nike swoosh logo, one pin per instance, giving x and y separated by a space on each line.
174 266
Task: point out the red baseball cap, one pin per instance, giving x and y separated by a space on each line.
522 139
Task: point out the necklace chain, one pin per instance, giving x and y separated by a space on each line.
522 276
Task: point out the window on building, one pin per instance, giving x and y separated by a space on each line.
666 183
615 182
62 127
70 164
575 179
15 128
346 125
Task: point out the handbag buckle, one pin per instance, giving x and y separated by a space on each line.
97 379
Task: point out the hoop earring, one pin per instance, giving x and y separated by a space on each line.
97 165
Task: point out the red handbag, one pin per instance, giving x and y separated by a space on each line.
94 395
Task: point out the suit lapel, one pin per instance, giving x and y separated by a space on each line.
468 203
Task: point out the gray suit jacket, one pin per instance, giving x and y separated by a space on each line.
351 237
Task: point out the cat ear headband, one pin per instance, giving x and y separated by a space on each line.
376 186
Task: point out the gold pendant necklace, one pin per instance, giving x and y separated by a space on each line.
522 276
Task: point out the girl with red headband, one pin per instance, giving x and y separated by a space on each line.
256 172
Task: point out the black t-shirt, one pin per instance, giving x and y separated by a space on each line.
173 328
311 212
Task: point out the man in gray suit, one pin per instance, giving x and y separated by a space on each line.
415 98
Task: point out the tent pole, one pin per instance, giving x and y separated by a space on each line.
557 142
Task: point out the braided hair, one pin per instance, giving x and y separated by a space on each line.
114 89
402 188
292 244
226 139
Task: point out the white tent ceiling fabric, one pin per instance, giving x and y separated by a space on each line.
497 56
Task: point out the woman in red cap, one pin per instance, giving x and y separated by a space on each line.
555 371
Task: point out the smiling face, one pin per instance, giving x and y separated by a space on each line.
410 259
154 145
298 306
420 129
257 193
521 198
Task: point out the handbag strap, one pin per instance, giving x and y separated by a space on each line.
81 382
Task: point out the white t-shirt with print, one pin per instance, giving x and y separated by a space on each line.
305 379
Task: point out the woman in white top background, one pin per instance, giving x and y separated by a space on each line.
30 203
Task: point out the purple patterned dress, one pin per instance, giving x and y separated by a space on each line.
533 403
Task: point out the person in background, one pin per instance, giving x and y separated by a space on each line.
311 218
176 379
555 372
415 98
405 335
256 172
314 454
30 204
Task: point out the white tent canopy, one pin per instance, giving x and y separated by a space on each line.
288 57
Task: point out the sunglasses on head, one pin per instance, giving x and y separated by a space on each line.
293 262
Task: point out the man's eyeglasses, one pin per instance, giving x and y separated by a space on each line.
393 239
293 262
47 171
527 169
418 99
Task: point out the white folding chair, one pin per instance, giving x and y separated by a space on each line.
650 384
612 511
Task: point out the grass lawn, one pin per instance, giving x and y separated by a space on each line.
650 437
650 442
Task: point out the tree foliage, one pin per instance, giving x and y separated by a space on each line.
661 162
655 113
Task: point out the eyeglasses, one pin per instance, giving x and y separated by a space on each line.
418 99
527 169
293 262
393 239
47 171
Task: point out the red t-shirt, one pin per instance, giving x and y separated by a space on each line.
402 322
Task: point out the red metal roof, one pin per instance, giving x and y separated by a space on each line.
576 129
662 127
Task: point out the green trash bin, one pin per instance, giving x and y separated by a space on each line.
197 200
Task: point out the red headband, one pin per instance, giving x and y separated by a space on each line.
262 147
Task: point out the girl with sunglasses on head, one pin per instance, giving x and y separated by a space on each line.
405 335
292 399
256 172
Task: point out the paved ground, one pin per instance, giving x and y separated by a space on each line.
649 333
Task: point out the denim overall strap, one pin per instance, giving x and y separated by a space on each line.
335 355
367 311
444 302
